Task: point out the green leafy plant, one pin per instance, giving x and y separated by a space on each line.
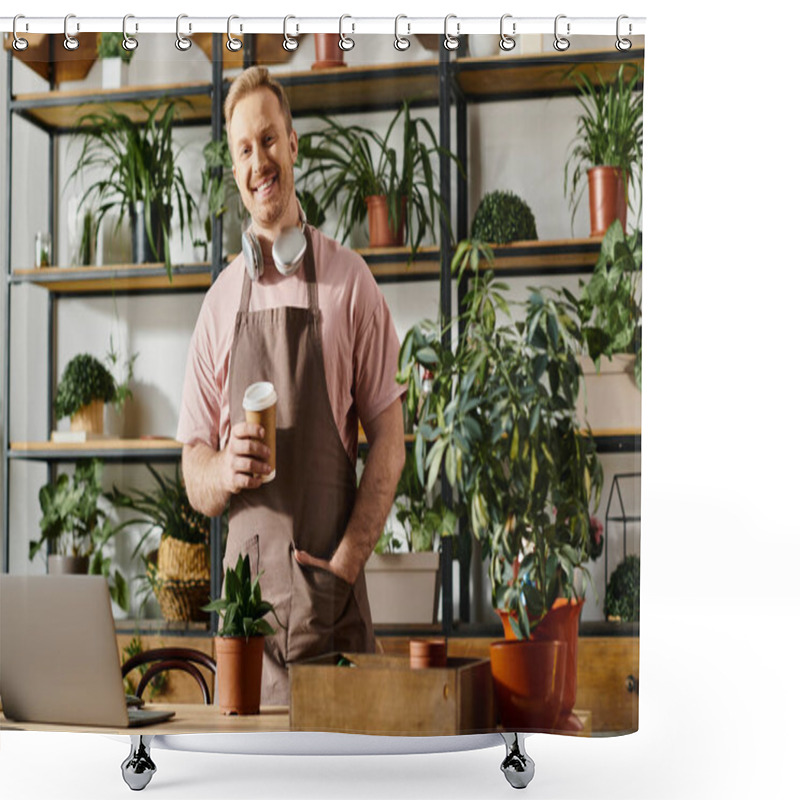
314 214
503 217
343 165
609 308
242 609
74 523
166 509
139 163
109 45
622 592
85 379
156 686
500 420
609 130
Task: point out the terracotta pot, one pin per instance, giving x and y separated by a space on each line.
529 681
89 418
381 234
67 565
561 623
239 664
329 54
607 199
427 653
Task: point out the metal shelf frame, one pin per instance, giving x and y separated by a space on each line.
450 77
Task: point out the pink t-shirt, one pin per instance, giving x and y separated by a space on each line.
360 346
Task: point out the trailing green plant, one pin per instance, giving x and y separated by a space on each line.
344 164
609 130
503 217
109 45
609 309
242 609
500 421
138 163
622 592
74 523
165 510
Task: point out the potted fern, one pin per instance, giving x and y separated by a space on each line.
181 575
140 176
240 643
76 528
360 172
607 150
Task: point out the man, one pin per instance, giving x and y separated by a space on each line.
324 337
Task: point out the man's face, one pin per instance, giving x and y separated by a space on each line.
263 154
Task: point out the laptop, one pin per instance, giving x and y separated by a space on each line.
58 654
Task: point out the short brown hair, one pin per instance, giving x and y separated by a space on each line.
252 79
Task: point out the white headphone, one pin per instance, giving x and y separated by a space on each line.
288 250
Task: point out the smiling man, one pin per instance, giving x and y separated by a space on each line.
320 331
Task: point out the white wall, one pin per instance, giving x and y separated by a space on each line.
519 146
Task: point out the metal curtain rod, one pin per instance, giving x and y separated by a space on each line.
453 24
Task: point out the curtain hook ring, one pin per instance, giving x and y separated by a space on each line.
623 44
506 42
181 42
289 44
400 42
70 42
345 42
561 43
233 44
128 42
19 44
451 42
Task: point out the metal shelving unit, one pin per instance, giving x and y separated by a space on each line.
444 83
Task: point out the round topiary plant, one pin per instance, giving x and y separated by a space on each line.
503 217
84 379
622 593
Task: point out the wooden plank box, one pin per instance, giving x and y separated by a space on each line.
382 695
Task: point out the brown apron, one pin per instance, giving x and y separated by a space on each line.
309 503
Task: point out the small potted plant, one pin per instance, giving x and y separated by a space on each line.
114 60
240 643
402 572
357 170
503 217
610 315
181 576
86 386
622 593
140 176
607 150
501 421
76 528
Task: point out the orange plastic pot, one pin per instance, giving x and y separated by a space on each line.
239 665
607 199
381 232
529 681
329 54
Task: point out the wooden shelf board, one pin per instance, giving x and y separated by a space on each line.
62 110
502 77
109 449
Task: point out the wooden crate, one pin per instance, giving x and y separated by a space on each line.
382 695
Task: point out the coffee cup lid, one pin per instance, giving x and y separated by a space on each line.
258 396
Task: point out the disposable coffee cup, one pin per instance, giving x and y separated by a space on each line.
260 407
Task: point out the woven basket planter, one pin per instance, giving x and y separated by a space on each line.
184 580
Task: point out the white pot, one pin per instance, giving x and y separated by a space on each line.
402 588
609 399
114 73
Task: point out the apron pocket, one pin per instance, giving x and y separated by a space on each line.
321 601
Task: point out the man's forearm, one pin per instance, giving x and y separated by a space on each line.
201 473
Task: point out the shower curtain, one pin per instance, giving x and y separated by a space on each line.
512 286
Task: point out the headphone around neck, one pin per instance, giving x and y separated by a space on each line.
288 250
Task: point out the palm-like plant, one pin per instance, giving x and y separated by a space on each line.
139 164
347 164
609 131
